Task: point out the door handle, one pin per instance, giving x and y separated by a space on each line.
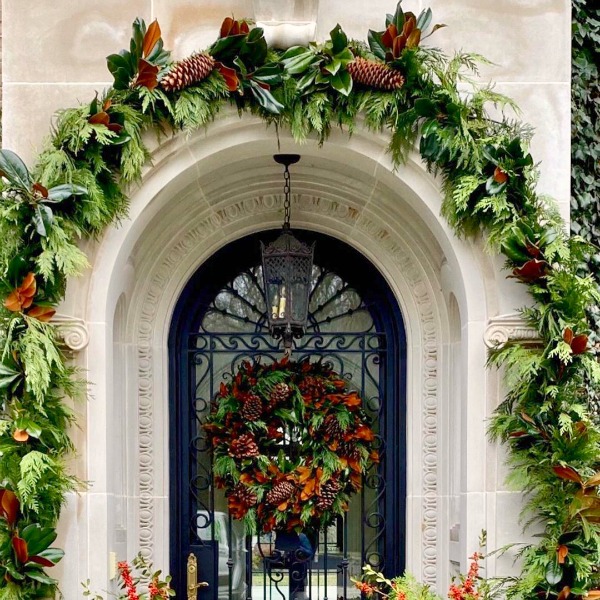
192 578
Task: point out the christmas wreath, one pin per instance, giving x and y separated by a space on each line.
291 443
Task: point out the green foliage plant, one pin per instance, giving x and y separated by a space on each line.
80 183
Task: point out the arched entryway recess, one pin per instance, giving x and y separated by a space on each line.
205 191
354 324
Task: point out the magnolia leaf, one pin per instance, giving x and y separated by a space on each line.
54 555
42 219
20 547
376 44
567 473
230 76
334 66
38 538
561 554
147 75
342 82
579 344
14 169
424 107
269 74
298 64
265 98
39 575
553 573
62 192
151 38
424 19
121 70
398 18
338 39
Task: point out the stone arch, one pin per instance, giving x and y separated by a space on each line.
211 188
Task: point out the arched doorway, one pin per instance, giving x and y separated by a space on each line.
220 320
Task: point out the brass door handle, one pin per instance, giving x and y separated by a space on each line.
192 578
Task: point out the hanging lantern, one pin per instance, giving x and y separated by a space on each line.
287 271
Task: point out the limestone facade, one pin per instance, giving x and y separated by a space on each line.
218 185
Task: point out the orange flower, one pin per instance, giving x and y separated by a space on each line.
22 297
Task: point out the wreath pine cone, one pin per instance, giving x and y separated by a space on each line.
329 492
280 393
244 447
188 71
252 408
375 74
331 428
280 493
243 494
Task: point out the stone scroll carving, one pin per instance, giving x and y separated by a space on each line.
503 328
71 332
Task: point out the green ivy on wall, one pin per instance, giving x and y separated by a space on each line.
585 140
79 186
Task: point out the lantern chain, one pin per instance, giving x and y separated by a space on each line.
287 198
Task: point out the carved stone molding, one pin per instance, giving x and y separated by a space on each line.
393 246
503 328
71 332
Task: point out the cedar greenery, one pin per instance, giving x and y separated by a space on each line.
97 150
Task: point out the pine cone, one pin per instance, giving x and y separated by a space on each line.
375 74
244 495
280 393
312 387
252 408
331 428
244 447
280 493
349 450
329 491
188 71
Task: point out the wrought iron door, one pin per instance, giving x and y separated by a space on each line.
224 324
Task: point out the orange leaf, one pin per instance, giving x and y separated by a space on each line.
363 432
152 36
568 335
244 28
303 473
567 473
20 546
13 302
409 26
579 344
9 504
592 481
226 27
532 270
593 595
28 287
398 45
391 33
374 456
309 489
562 552
147 75
41 313
20 435
352 400
100 118
40 189
229 75
500 175
283 506
564 593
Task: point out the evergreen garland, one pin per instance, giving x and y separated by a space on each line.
79 186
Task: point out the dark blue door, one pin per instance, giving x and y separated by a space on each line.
354 324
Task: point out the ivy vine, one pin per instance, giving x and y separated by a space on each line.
417 94
585 146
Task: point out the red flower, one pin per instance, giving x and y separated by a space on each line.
366 588
125 572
